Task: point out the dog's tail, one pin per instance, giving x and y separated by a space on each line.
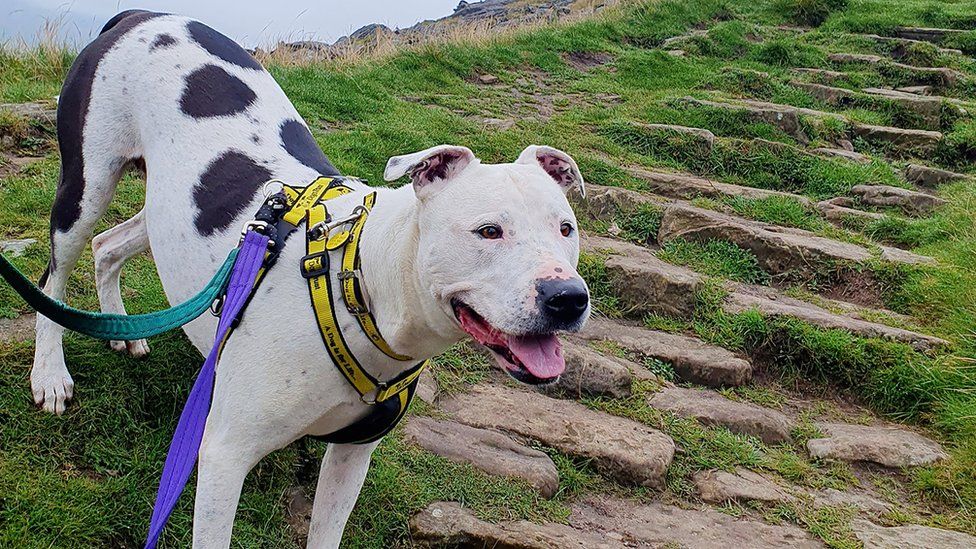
118 17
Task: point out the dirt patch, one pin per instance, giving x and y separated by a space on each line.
17 329
587 60
298 513
859 288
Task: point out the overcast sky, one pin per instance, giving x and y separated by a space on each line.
250 22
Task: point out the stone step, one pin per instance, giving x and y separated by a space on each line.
926 176
940 76
899 41
625 450
779 251
842 153
774 304
912 536
838 211
693 360
448 524
645 283
606 203
926 34
787 118
830 497
660 525
908 201
604 522
490 451
684 186
928 108
887 446
712 409
589 373
703 137
740 486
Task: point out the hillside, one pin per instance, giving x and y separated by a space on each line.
780 238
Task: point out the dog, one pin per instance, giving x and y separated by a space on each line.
466 250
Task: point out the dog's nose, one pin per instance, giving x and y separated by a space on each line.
563 300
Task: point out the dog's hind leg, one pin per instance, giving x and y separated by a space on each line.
341 478
112 249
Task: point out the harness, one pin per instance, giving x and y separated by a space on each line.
234 285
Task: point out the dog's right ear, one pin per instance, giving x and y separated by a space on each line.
429 168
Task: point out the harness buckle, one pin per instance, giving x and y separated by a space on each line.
357 275
322 229
370 397
315 265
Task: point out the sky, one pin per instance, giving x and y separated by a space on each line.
250 22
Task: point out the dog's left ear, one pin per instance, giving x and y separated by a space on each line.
429 168
559 165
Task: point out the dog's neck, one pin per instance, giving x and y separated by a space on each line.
407 314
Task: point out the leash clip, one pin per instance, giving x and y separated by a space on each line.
322 229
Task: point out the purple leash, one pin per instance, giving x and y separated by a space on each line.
183 450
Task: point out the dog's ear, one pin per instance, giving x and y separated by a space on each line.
560 166
429 167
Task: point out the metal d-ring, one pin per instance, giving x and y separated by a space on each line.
267 193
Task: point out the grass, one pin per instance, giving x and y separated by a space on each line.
88 479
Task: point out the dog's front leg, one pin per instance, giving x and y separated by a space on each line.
223 464
340 480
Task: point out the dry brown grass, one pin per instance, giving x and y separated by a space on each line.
481 32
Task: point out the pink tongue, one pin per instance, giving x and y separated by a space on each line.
542 356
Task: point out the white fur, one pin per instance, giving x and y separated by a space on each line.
275 382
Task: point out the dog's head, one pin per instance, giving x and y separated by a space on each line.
498 250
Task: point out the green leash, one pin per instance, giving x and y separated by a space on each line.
113 326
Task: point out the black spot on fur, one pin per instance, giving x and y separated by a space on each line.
226 189
212 91
72 112
162 41
220 46
298 142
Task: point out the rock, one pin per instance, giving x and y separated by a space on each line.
488 79
490 451
676 53
827 94
918 90
909 537
660 525
704 138
693 360
499 124
900 140
371 31
741 486
823 75
427 389
445 524
784 117
712 409
20 328
908 201
686 187
897 255
941 76
887 446
645 283
774 304
16 247
928 109
778 251
841 215
925 176
830 497
842 153
628 451
589 373
606 203
933 35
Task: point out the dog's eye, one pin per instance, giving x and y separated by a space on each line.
566 229
491 232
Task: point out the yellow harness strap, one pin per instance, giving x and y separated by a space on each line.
315 268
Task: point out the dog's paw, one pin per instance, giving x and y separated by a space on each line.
52 387
137 349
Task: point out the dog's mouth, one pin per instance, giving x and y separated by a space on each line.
534 358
